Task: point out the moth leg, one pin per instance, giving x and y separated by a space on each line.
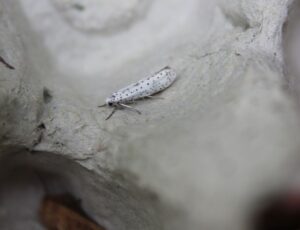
112 113
154 97
6 63
102 105
133 102
130 108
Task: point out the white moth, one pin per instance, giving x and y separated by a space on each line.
144 88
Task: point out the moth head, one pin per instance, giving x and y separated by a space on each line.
110 101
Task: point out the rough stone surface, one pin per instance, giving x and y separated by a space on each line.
223 136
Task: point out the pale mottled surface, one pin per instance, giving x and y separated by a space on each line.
224 135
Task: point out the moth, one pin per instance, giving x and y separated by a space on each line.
144 88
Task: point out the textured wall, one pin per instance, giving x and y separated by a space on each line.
223 136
